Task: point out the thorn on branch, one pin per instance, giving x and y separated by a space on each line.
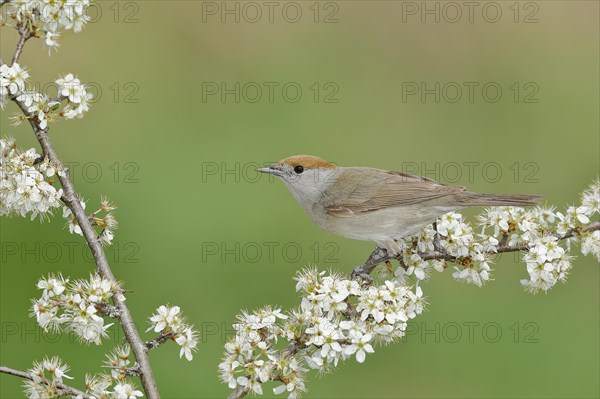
158 341
109 310
127 371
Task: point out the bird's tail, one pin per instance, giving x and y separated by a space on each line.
476 199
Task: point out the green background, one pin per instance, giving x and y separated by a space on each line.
151 144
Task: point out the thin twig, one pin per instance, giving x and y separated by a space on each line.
239 392
64 390
382 256
161 339
109 310
25 35
129 371
72 201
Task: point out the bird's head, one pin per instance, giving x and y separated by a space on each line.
306 176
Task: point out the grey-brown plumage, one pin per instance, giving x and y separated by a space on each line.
375 204
368 189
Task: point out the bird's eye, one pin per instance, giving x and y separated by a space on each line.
298 169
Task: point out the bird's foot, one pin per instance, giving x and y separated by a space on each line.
379 255
361 276
376 257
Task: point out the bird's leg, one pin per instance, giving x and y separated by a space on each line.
376 257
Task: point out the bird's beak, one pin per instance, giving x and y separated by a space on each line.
275 170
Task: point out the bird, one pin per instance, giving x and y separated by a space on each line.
377 205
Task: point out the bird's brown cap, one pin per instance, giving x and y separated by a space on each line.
308 162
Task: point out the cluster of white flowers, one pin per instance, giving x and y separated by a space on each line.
12 82
250 359
535 229
590 244
168 321
337 319
518 226
126 390
538 229
455 237
114 385
547 263
72 223
47 379
26 186
101 387
459 241
75 306
45 376
525 226
107 223
576 216
39 106
78 99
48 18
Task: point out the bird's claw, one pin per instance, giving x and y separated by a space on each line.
362 276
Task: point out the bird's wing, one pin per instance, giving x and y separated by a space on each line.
374 189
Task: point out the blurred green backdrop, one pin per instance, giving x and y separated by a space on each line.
196 222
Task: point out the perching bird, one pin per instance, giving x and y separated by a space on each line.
373 204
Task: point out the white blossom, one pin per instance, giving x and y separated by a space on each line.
98 386
360 345
126 390
458 235
50 16
74 305
547 263
51 41
38 106
52 286
76 93
166 318
87 325
72 223
12 81
118 360
476 271
418 266
330 333
590 199
573 217
24 188
590 244
46 376
188 342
